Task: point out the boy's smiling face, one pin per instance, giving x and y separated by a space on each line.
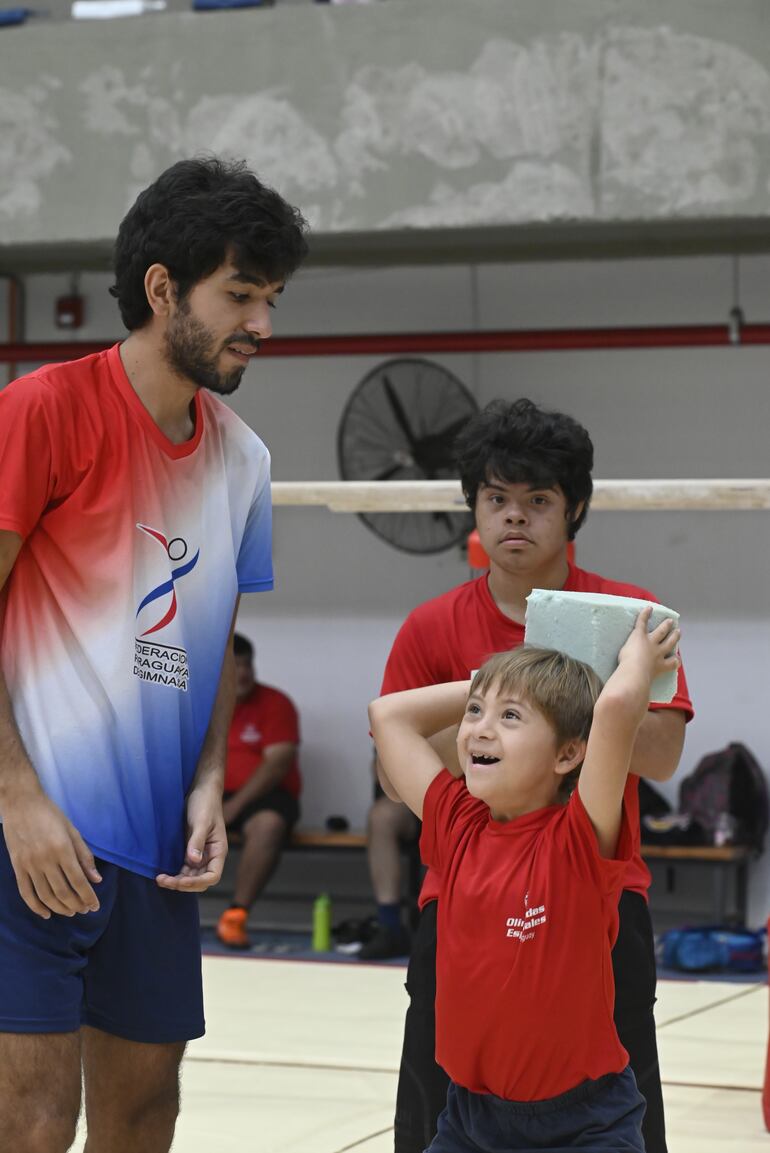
509 753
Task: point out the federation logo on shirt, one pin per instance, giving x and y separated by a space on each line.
154 661
523 928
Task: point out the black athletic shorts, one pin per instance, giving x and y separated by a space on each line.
277 800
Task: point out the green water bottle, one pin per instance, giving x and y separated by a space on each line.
322 923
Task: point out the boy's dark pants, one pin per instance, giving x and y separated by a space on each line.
422 1085
602 1116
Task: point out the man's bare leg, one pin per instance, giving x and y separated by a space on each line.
264 836
388 824
39 1091
131 1093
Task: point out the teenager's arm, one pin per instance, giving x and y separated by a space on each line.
618 713
402 724
658 745
54 867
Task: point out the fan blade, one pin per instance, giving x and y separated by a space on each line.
387 473
398 411
451 430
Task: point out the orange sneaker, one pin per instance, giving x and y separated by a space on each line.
231 929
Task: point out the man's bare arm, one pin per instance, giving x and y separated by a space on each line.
206 838
277 761
54 867
659 743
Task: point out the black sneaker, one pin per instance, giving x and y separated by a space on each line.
350 936
385 943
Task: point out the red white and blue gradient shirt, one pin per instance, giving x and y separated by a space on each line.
119 606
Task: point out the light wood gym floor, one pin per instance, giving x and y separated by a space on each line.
302 1058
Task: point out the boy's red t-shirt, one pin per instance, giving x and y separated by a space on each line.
266 717
527 917
447 638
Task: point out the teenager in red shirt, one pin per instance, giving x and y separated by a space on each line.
262 787
529 888
526 474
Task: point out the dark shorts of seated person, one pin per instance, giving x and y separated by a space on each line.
277 800
603 1116
131 969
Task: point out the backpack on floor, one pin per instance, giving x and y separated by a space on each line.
727 797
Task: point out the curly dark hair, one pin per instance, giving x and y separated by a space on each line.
518 443
191 219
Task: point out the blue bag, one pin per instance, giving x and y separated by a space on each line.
699 950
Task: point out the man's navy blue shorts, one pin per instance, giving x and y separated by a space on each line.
132 969
603 1116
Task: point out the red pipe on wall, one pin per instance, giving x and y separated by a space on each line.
391 343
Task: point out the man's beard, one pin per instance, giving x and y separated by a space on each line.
189 346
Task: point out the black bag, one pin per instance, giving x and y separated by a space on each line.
661 826
651 802
727 797
673 829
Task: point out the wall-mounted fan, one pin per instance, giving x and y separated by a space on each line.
400 424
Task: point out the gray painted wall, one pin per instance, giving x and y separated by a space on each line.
437 114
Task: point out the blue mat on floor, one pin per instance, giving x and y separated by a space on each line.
758 978
285 946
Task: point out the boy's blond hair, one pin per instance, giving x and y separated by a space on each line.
563 689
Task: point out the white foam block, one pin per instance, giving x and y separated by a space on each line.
593 627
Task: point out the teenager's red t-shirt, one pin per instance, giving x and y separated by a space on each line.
447 638
527 917
266 717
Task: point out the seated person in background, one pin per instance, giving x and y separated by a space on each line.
531 867
389 825
262 787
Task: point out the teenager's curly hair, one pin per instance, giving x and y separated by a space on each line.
518 443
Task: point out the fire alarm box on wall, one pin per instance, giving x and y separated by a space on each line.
69 311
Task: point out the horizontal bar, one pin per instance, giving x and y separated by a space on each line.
446 495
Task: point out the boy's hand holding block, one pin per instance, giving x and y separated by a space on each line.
593 627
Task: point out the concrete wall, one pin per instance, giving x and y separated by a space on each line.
324 634
397 115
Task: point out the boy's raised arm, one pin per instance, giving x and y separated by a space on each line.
618 713
402 723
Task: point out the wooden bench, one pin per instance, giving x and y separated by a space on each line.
313 839
324 840
722 860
